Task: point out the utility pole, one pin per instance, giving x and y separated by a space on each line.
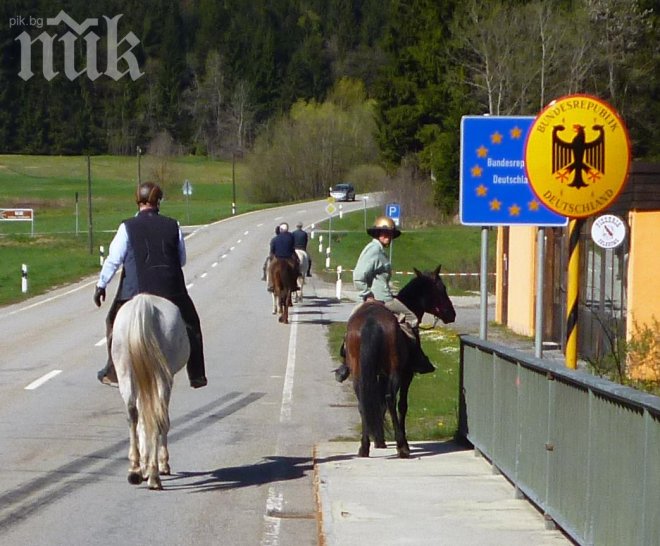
139 174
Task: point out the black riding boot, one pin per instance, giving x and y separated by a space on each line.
342 373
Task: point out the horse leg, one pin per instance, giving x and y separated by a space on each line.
285 298
151 464
402 444
163 452
134 473
274 303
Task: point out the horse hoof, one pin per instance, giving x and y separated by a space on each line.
380 445
404 453
165 471
363 452
134 478
157 486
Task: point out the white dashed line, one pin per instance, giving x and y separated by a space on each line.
100 343
214 264
36 384
203 275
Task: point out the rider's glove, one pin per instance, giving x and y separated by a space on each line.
99 296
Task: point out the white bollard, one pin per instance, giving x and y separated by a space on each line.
320 244
24 278
312 234
338 290
327 258
341 212
101 255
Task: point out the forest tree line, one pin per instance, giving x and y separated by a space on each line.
216 76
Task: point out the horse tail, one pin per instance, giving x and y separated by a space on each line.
370 394
150 368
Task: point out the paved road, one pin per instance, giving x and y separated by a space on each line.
241 448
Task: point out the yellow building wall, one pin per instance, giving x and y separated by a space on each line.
499 277
520 308
644 286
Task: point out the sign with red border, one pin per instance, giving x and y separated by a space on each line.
577 155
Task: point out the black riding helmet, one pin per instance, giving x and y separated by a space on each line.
149 193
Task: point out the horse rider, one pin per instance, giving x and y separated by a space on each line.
282 246
270 253
152 251
371 276
300 239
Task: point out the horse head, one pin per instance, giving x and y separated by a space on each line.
426 293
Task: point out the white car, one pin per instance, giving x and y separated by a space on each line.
343 192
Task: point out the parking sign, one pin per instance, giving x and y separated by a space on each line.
393 210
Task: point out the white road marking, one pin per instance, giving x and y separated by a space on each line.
214 264
52 298
203 275
223 256
287 391
231 248
239 241
189 286
100 343
275 499
245 232
37 383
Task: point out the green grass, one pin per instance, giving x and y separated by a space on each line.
60 253
457 248
433 398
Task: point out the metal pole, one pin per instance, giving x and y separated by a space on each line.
77 216
90 234
365 212
540 259
483 322
139 174
233 183
572 291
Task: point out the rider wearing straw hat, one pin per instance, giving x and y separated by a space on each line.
371 277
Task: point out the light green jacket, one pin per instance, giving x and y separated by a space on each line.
373 271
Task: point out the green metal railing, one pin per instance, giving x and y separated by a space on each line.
585 450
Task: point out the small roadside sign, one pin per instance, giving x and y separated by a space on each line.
187 187
330 208
393 211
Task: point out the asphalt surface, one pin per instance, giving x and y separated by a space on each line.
443 495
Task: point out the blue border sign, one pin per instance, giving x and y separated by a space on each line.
494 189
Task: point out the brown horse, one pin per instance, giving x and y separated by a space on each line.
378 354
284 275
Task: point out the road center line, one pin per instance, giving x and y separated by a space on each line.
38 382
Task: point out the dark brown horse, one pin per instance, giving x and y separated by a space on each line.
284 275
378 354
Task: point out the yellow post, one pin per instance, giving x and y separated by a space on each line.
572 291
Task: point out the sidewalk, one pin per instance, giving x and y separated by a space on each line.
443 495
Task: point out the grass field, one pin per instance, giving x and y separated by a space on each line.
63 249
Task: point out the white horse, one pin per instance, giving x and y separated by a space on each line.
303 258
149 345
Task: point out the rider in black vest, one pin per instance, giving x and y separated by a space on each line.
300 239
151 249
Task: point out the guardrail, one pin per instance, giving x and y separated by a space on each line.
585 450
